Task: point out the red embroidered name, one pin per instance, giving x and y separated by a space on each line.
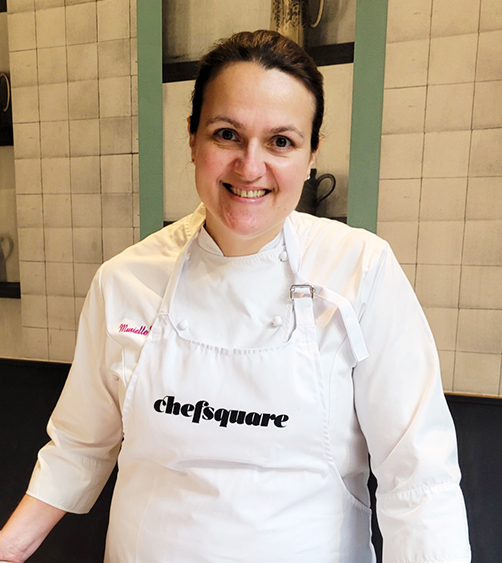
136 330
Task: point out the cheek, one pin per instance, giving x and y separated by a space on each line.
292 177
209 169
209 162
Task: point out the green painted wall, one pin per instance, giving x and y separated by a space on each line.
367 102
151 186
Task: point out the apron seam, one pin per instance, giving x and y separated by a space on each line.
232 351
330 458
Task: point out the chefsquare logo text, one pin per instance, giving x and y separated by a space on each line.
203 410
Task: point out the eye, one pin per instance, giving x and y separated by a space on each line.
282 142
226 134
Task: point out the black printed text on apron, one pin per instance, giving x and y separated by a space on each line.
203 410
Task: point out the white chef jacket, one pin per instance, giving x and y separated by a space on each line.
391 405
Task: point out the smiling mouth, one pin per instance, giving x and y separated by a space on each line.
250 194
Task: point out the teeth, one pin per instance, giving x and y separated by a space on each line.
248 194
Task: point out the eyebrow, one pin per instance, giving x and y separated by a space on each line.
286 128
232 122
239 125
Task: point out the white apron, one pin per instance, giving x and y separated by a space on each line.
226 454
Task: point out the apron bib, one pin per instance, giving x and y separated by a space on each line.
226 454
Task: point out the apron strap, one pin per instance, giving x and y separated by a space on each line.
349 317
350 321
302 296
196 224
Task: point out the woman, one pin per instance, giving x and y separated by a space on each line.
246 360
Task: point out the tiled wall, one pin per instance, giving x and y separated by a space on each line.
440 202
8 225
74 98
10 309
73 70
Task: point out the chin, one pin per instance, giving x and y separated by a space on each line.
250 224
251 232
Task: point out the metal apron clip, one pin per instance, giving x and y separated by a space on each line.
301 290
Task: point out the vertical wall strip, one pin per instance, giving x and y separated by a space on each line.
367 102
151 185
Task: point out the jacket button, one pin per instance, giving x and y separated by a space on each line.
183 325
277 321
283 256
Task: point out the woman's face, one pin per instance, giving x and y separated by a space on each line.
251 154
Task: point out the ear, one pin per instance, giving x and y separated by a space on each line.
191 139
313 157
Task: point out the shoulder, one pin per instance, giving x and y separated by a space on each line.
335 243
149 263
344 259
129 288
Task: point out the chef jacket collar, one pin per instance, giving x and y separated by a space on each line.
207 243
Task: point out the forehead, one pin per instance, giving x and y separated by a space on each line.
250 88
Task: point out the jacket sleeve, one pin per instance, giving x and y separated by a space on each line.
407 425
85 427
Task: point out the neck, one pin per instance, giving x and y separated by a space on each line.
231 244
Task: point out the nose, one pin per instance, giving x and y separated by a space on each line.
251 163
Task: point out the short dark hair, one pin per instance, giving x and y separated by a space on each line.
271 50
